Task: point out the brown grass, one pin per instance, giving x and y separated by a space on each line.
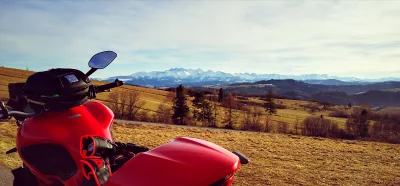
275 159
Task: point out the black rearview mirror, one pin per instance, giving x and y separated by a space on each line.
101 60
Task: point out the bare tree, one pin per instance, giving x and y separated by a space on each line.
297 126
170 97
247 117
215 99
257 113
214 96
229 102
268 124
163 114
123 98
134 104
114 103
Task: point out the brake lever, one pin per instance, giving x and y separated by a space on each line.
4 111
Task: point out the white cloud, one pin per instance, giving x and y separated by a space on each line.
349 38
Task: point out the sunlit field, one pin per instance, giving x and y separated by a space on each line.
275 159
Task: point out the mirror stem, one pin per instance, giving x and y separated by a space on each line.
90 72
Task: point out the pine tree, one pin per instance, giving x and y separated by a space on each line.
198 103
221 95
203 109
349 105
364 123
358 124
181 110
269 104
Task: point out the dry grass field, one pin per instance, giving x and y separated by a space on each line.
275 159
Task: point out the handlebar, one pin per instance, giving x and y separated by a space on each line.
19 114
105 87
5 114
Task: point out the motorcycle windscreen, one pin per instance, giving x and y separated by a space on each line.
181 162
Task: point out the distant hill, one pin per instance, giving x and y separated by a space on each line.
289 85
334 82
375 94
373 98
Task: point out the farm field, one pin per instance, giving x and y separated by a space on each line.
275 159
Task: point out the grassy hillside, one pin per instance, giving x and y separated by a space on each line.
154 97
275 159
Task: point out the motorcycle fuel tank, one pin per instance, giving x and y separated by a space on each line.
49 143
181 162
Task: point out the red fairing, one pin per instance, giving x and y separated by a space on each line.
181 162
66 129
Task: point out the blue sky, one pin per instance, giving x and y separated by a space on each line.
341 38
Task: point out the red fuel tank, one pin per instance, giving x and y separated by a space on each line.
181 162
51 140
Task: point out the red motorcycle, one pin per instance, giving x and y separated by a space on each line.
64 138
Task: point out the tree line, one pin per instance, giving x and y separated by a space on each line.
205 110
218 109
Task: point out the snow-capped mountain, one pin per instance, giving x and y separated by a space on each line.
199 77
181 73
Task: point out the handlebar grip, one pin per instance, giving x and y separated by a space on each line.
116 83
21 114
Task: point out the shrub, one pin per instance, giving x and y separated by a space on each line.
386 130
320 127
269 126
283 127
144 116
163 114
280 106
252 118
312 108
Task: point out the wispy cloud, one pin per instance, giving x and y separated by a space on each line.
346 38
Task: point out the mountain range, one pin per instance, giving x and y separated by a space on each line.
378 94
198 77
319 87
